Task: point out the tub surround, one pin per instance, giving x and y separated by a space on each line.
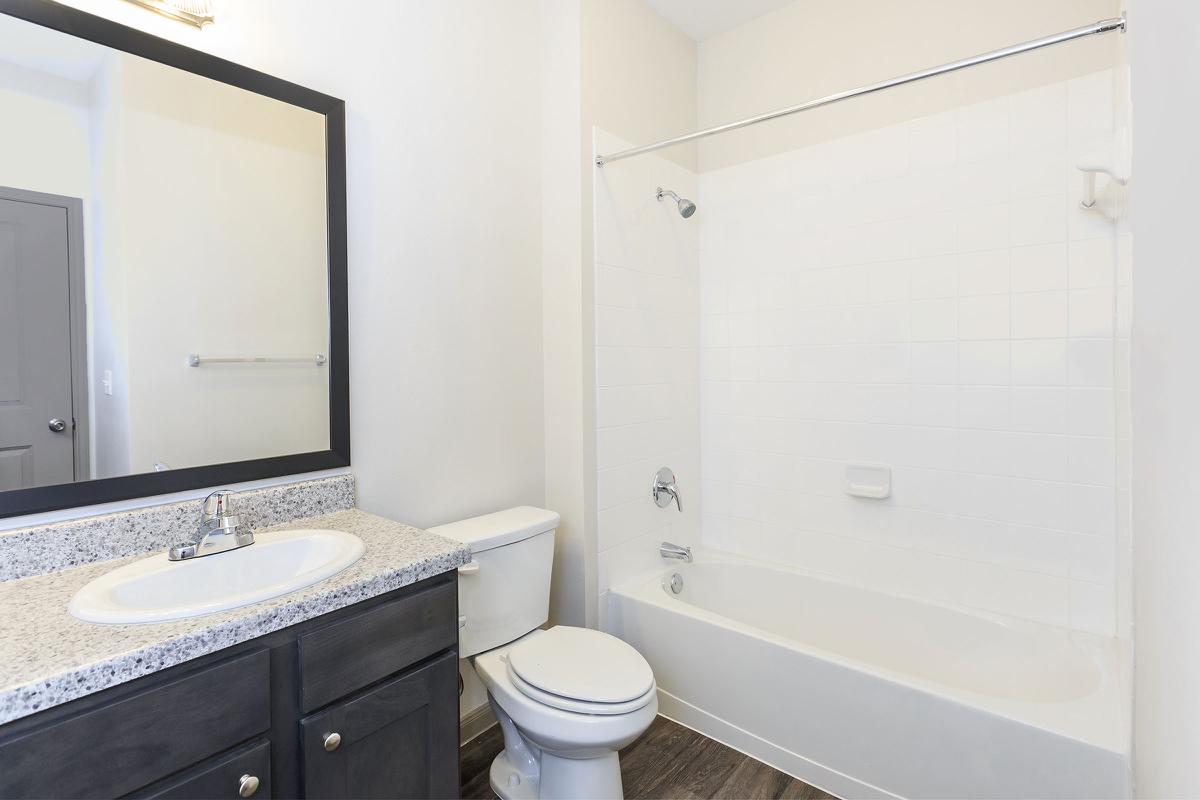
47 657
39 549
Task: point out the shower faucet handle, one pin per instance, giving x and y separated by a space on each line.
664 490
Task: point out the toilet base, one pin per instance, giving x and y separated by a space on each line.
508 783
597 778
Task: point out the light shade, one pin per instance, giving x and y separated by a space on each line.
193 12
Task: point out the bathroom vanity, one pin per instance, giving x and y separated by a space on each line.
360 702
344 688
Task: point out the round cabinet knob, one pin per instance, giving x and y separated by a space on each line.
332 741
247 786
57 425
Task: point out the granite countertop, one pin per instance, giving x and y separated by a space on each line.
48 657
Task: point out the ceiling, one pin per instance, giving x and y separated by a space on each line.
700 19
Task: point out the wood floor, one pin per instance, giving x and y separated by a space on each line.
667 761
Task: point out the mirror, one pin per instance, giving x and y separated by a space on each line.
171 267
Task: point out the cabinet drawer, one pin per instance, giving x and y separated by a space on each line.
219 777
345 656
141 737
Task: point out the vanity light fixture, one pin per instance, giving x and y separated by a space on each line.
193 12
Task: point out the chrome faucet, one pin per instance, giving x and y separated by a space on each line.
220 530
668 550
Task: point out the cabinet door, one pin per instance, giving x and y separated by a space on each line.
397 740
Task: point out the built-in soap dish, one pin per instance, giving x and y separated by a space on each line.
868 480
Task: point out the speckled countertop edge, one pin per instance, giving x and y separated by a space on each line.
47 657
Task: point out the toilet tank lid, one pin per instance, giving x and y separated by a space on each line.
501 528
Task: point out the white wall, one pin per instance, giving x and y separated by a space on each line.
569 468
444 211
928 295
647 337
1166 392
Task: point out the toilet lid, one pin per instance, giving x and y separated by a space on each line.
582 664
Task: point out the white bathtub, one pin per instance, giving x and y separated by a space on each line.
868 695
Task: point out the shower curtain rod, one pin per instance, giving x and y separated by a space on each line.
1103 26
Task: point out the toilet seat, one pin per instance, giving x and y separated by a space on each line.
578 706
582 670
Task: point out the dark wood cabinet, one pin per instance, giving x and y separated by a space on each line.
344 656
392 741
141 735
251 720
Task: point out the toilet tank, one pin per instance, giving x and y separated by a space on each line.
504 593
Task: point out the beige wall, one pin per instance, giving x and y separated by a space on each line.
813 48
639 75
44 139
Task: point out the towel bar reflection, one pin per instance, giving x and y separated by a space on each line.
195 360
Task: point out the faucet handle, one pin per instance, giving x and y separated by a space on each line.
219 529
664 491
218 505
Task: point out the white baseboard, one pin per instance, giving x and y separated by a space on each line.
475 722
743 741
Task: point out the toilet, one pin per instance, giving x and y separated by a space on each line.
567 699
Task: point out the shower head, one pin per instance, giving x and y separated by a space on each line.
686 207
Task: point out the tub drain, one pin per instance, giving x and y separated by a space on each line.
674 583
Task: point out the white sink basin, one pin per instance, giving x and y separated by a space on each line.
155 589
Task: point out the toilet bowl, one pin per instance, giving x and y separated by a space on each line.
562 727
567 699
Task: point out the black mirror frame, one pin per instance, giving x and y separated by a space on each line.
105 490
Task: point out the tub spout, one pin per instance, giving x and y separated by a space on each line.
668 550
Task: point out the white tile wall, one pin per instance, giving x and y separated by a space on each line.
929 295
647 362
